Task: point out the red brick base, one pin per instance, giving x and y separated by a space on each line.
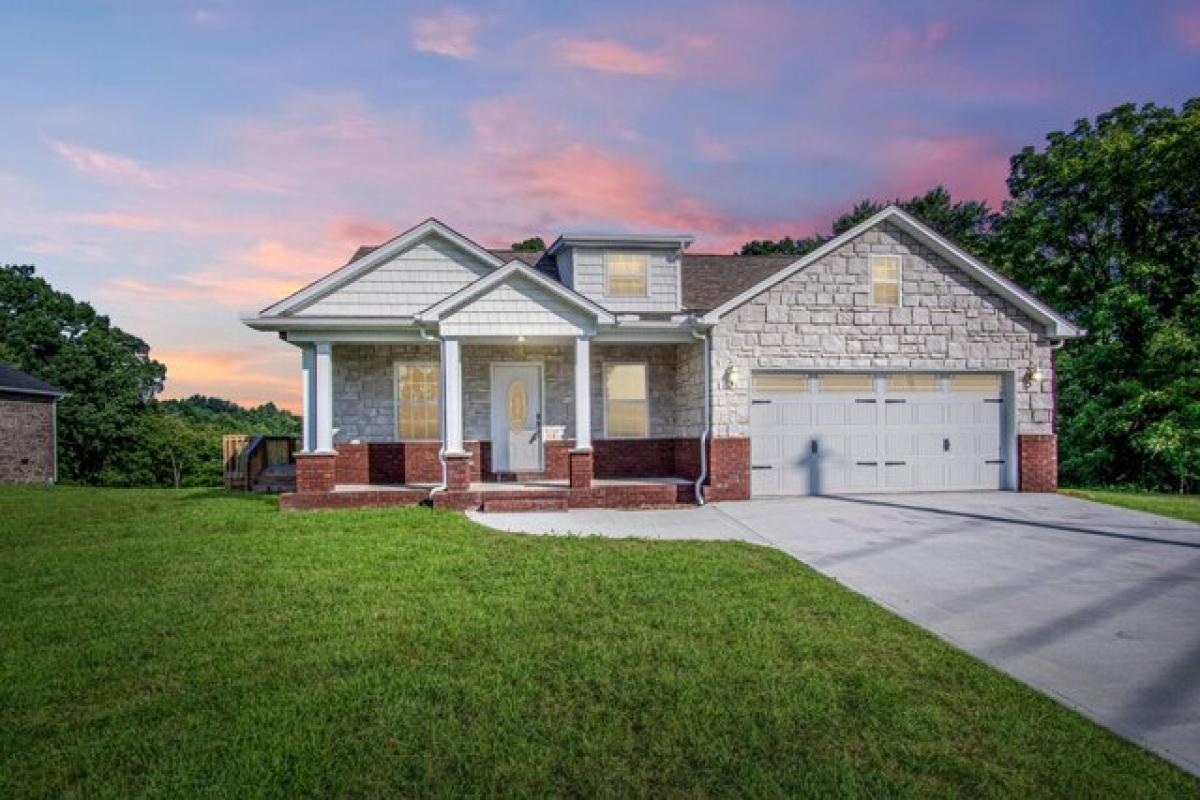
728 469
315 472
458 472
1038 462
581 469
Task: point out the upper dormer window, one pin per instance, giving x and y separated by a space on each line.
625 274
885 280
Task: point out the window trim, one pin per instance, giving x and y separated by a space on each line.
396 402
645 260
604 396
899 279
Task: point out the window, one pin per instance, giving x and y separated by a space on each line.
626 401
975 382
848 382
418 415
913 382
885 280
780 382
625 274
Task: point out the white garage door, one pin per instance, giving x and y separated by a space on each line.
832 433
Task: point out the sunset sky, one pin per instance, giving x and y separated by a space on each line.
178 163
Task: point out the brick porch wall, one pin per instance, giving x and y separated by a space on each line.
1038 462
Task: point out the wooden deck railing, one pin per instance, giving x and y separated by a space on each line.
245 457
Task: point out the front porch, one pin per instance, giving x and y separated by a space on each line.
534 398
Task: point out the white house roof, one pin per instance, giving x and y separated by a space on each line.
1058 326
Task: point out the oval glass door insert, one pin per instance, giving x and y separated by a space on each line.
518 405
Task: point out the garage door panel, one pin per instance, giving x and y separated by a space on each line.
900 444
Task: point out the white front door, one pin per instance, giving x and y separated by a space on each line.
516 418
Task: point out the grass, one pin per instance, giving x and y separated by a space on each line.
197 643
1179 506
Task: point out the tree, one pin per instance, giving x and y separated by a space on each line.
531 245
968 222
107 373
787 246
1104 223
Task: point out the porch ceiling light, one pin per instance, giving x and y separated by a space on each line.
521 338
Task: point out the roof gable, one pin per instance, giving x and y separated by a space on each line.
1056 324
516 270
364 264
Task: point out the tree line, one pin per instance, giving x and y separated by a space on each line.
111 429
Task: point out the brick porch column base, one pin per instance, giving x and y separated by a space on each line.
728 469
315 472
458 472
581 467
1038 462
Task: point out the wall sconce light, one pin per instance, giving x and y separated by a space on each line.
731 378
521 338
1032 375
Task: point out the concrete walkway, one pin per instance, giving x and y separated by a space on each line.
1094 605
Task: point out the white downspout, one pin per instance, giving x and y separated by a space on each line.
704 337
441 487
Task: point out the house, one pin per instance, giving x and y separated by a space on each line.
621 369
28 428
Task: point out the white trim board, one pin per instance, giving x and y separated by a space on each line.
1057 325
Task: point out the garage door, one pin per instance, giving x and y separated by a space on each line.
832 433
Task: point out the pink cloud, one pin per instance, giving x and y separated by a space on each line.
119 220
1187 28
246 377
971 167
449 33
106 165
609 55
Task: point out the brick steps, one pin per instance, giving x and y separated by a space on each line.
511 503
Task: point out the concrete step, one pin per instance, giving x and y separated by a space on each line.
524 504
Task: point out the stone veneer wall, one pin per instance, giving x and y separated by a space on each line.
821 317
362 388
26 439
363 407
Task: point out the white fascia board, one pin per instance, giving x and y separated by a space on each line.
517 268
679 240
410 336
264 323
340 277
1058 326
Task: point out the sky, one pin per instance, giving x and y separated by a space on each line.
180 163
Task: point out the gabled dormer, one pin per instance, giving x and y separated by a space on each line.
624 273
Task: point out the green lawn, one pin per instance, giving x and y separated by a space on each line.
198 643
1180 506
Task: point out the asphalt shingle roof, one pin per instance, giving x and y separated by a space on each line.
13 380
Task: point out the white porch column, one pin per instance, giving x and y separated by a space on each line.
323 358
308 388
452 396
583 393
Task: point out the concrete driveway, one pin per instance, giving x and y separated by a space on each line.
1094 605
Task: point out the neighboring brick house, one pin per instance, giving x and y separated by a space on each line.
28 428
618 369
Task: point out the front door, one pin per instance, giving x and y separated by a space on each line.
516 418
